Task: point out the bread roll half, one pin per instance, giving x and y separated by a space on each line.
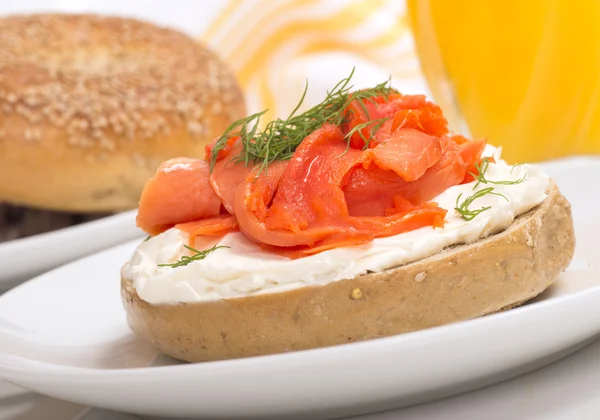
459 283
91 105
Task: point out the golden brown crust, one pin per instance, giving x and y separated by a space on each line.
90 106
459 283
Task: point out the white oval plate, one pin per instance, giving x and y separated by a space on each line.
21 259
64 334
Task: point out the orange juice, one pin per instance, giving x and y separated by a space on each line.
524 74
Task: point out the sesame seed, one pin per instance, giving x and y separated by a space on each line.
356 294
194 127
421 276
138 160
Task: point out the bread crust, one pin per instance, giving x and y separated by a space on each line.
458 283
90 106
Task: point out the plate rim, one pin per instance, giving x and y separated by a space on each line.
43 237
15 272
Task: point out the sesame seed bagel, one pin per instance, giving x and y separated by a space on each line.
90 106
458 283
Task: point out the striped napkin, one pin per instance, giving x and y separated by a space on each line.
275 46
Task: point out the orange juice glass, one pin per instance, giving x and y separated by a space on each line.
524 74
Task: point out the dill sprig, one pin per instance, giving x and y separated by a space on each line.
198 255
469 214
481 179
245 127
515 166
280 137
372 125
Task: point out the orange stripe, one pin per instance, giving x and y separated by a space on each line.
344 20
260 30
268 99
221 19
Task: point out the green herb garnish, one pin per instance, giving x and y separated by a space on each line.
481 179
515 166
198 255
463 208
469 214
280 138
147 238
373 126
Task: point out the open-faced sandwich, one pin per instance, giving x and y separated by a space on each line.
361 217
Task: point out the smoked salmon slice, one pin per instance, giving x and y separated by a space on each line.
402 111
212 226
309 189
428 119
252 200
228 174
450 170
370 192
309 206
408 152
179 192
470 154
